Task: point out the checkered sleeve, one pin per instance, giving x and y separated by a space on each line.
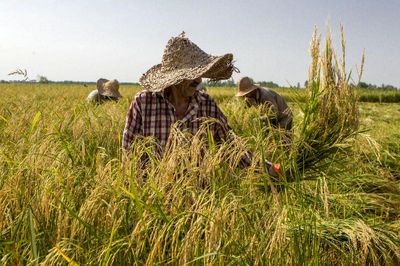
133 124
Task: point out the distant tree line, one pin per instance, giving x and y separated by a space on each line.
268 84
231 83
44 80
208 83
220 83
364 85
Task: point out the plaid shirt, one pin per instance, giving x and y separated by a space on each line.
151 114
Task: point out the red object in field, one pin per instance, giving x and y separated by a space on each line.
277 168
274 169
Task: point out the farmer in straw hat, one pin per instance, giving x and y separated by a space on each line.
170 94
106 90
278 114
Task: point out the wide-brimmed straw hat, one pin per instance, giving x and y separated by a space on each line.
245 86
184 60
109 88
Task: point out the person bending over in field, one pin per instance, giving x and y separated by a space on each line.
170 94
107 90
278 114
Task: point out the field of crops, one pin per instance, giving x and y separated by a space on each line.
69 196
66 196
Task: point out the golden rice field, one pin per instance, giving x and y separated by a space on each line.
69 197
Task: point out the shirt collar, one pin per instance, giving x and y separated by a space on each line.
193 106
194 103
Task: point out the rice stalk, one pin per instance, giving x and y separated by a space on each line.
330 115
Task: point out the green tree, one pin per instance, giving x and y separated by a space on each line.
269 84
42 79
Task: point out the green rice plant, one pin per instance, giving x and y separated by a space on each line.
330 115
378 95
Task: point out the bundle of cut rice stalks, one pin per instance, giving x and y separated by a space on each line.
330 114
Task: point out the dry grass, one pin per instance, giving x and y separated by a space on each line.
67 197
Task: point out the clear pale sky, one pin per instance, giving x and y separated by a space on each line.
86 40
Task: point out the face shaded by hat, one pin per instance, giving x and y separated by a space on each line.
245 87
183 60
108 88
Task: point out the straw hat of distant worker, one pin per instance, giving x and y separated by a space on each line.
246 86
106 90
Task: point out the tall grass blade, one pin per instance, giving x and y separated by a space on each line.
70 261
33 238
35 120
